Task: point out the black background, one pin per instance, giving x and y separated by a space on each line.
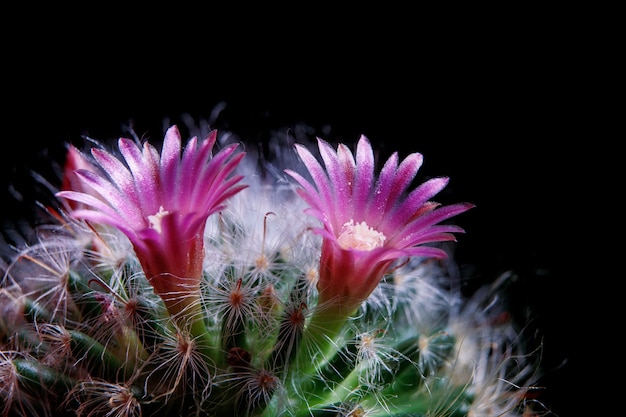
488 102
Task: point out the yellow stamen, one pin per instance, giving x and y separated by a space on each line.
360 236
155 219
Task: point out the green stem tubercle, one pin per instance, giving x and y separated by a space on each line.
41 378
321 341
191 319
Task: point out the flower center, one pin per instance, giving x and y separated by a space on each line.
360 236
155 219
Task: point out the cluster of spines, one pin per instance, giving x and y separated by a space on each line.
90 336
96 327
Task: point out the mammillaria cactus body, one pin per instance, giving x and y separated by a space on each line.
175 283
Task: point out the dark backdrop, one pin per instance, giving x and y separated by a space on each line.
492 109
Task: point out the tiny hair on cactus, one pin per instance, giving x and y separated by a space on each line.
179 369
97 397
44 271
293 279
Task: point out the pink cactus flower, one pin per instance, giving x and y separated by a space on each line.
161 202
369 223
75 161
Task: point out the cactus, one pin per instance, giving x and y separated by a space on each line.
189 283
